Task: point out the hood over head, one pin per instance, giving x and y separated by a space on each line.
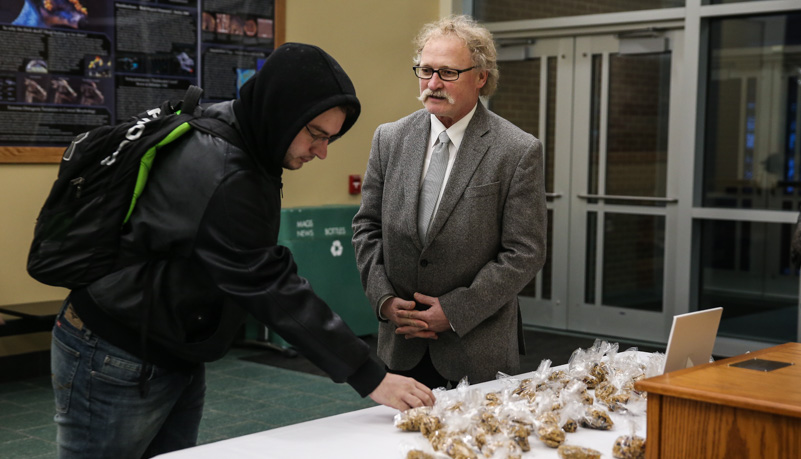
296 83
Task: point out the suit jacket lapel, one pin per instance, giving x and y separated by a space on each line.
413 152
472 150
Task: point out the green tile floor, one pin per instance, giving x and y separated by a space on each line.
241 398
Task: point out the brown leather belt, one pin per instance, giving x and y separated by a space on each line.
72 317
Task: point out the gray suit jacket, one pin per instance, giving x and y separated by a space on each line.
486 242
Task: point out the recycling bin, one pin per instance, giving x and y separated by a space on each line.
320 241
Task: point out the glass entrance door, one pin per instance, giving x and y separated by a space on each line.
622 199
606 132
536 93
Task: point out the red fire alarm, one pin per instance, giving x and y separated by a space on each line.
354 184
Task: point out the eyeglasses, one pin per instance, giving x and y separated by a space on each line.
322 138
426 73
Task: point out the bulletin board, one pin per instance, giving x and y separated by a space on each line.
67 66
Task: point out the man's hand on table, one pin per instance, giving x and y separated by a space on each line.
402 393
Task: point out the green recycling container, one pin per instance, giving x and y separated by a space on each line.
320 241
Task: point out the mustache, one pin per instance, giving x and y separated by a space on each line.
438 93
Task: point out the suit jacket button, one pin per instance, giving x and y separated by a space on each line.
423 263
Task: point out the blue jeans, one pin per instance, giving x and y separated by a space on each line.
100 411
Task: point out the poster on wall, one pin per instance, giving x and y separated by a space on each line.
67 66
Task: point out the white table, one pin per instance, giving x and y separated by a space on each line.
370 433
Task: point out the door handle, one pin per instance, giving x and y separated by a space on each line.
626 198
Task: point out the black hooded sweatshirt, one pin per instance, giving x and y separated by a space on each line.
203 237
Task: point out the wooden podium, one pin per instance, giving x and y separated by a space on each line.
718 410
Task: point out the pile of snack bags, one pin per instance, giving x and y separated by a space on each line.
547 405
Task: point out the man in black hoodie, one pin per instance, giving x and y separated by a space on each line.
201 253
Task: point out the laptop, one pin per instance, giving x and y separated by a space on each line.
692 338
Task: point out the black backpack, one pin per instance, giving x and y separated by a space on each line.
102 173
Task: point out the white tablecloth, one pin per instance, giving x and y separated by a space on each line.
371 434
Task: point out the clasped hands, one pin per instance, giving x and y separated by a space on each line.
413 323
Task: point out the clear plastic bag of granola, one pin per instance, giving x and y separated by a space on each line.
631 445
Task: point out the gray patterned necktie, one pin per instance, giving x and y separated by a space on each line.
432 184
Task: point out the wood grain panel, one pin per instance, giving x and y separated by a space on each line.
699 429
719 411
31 155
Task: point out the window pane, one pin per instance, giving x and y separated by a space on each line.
518 100
547 269
634 259
518 95
550 124
751 155
595 126
637 139
746 270
589 267
512 10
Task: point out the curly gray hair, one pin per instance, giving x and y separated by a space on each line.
475 36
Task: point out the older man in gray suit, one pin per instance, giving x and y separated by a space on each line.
453 219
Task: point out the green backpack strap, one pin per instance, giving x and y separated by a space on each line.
188 105
147 162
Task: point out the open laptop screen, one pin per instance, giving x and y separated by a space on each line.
692 338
